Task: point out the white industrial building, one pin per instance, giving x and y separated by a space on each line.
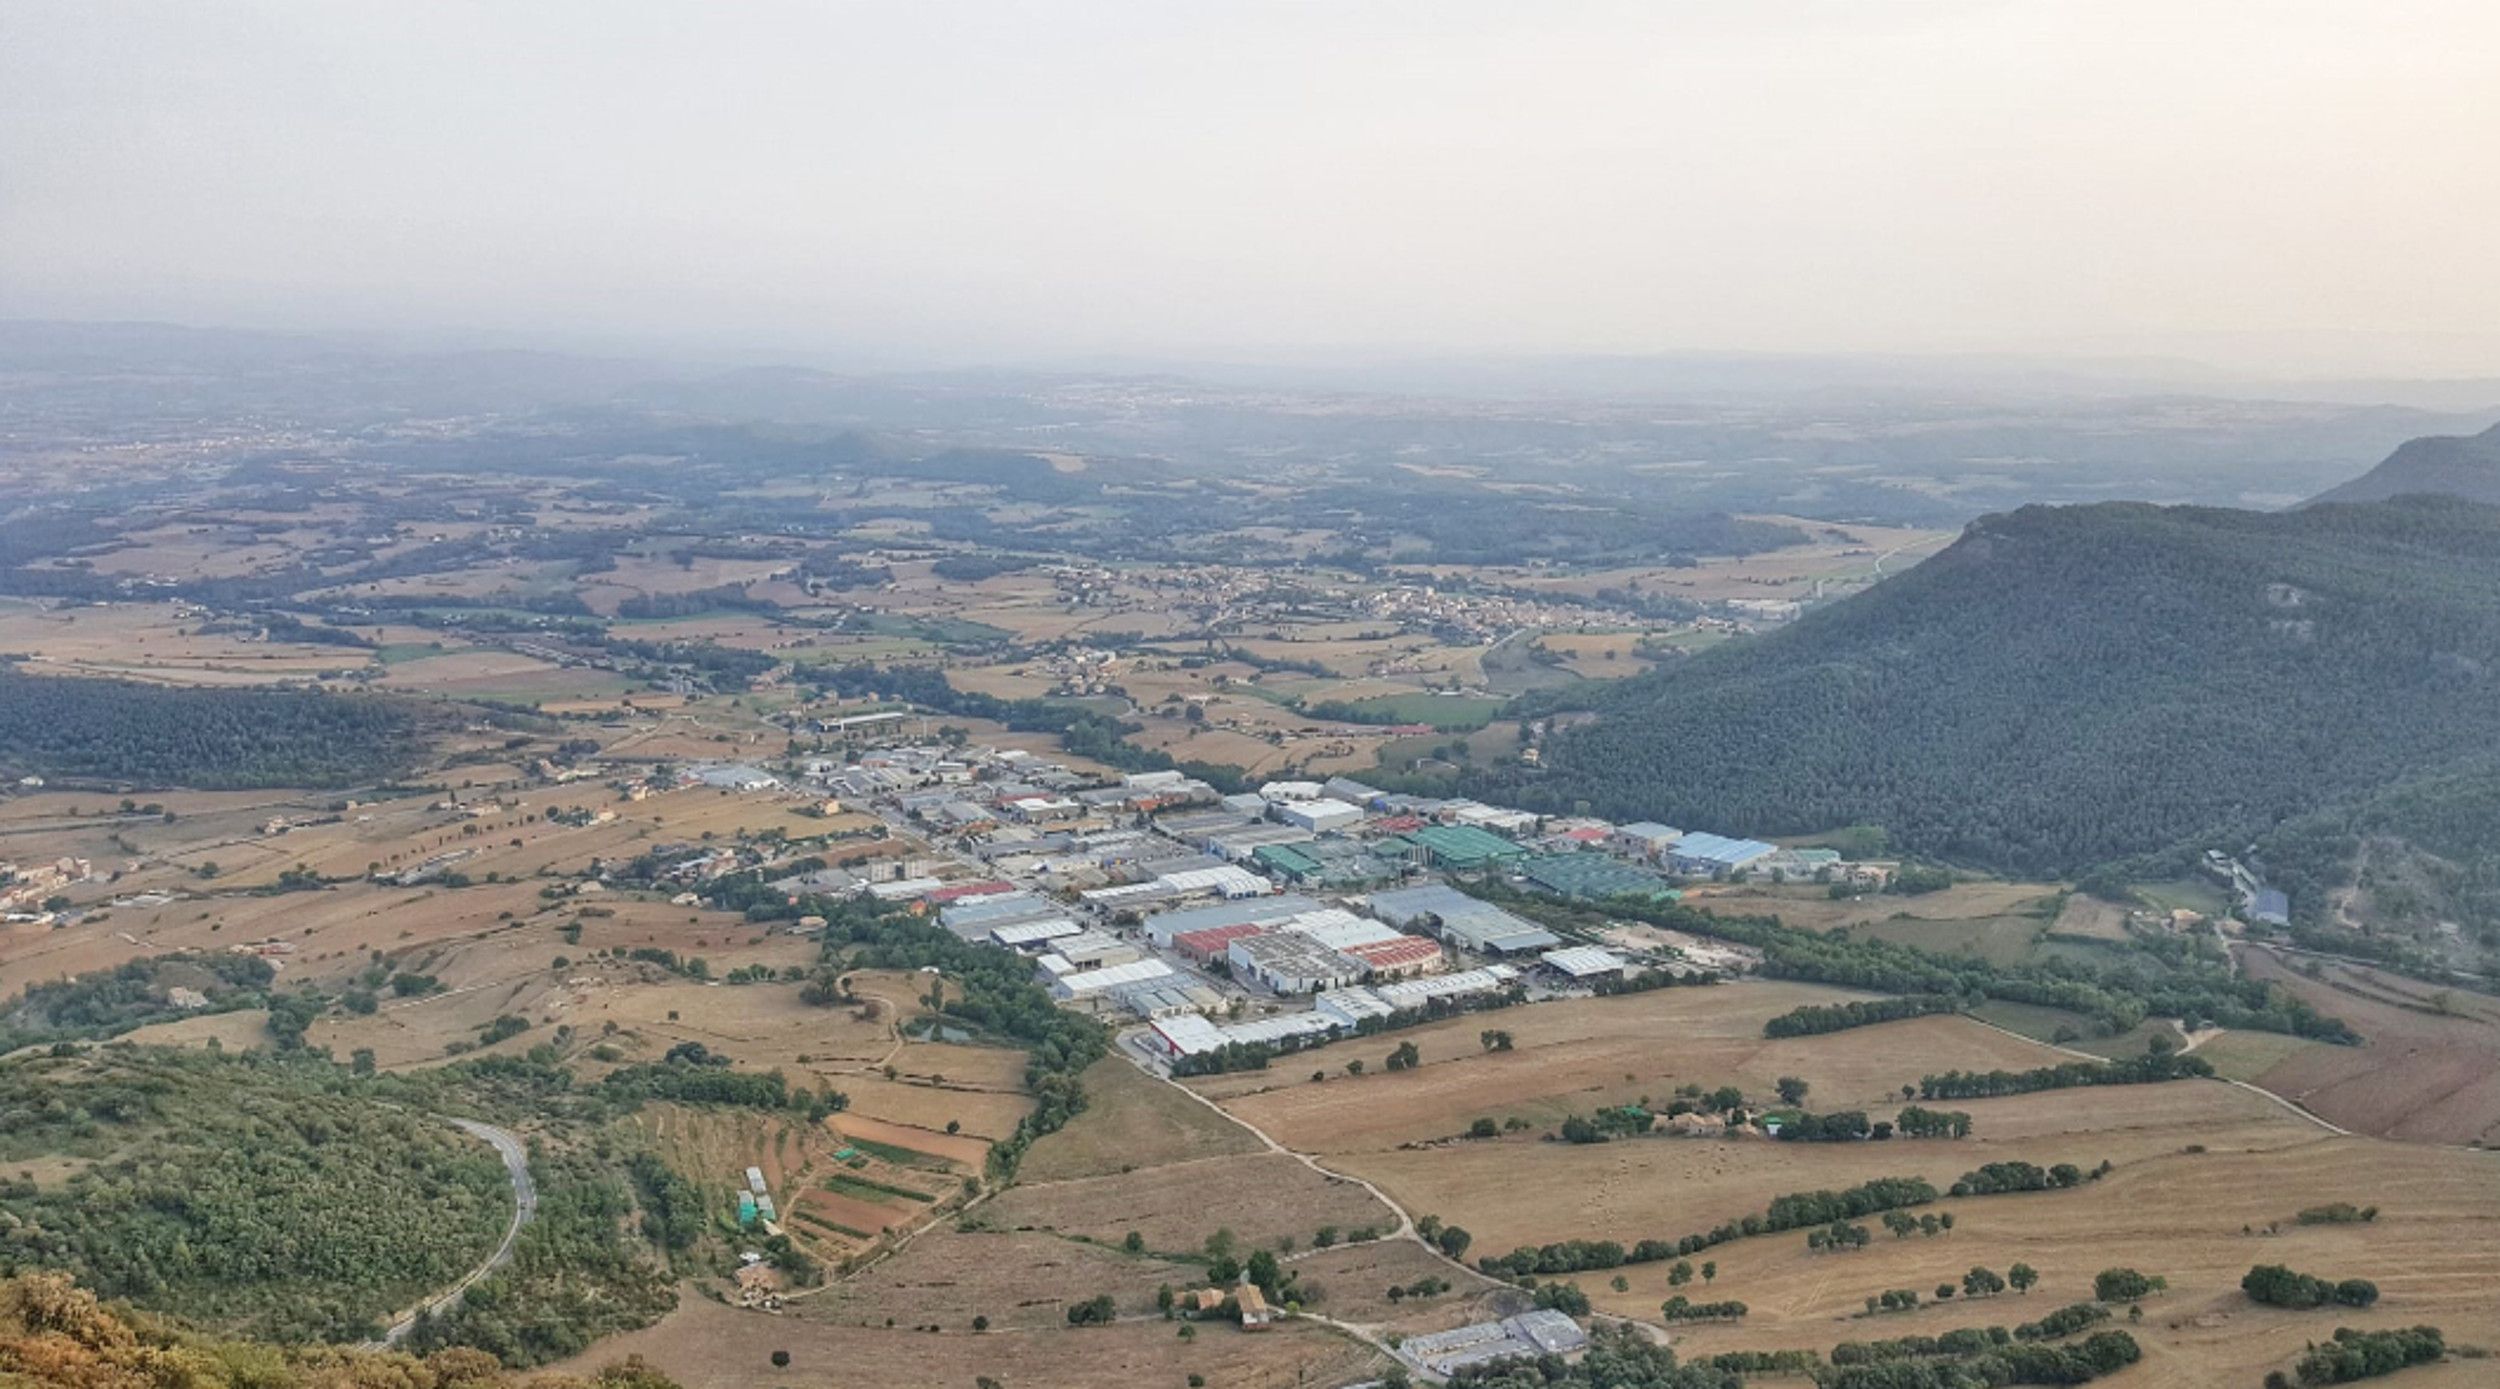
1339 929
1086 983
1351 1006
1320 816
1028 933
1583 963
1415 993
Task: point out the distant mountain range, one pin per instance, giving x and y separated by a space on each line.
2070 687
2443 465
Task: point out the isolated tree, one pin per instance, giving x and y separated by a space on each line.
1681 1274
2022 1276
1792 1090
1982 1282
781 1360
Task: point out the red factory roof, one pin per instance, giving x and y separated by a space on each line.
1399 824
1213 939
959 891
1389 954
1585 836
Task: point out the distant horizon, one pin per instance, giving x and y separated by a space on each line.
2299 188
1384 370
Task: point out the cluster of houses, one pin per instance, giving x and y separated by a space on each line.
25 888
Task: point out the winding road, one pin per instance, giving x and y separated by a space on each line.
516 1165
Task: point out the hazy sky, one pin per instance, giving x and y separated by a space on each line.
2273 182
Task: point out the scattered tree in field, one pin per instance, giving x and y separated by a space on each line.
1792 1090
1982 1282
1680 1274
781 1360
2126 1285
2022 1276
2277 1286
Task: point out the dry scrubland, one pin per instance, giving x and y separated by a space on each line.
704 1345
1133 1120
1261 1197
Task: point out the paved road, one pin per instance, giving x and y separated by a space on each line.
516 1164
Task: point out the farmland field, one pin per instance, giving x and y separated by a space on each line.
1577 1055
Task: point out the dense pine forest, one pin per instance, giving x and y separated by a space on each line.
212 739
2068 687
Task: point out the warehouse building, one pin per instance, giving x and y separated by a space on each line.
1093 949
1162 927
1337 928
1215 942
1163 998
1400 957
1646 839
1715 856
1088 983
1023 935
1466 848
1591 877
1320 816
1409 994
1291 963
1585 964
1460 920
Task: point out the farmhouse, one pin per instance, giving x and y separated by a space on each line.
1291 963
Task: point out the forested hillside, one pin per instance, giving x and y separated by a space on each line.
152 735
2465 466
2065 687
247 1196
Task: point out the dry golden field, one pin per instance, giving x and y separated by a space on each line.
1578 1055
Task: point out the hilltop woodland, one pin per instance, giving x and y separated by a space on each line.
55 1333
278 1195
2183 978
253 1196
2065 689
125 732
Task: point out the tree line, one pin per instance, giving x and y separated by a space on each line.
1815 1019
2151 1068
